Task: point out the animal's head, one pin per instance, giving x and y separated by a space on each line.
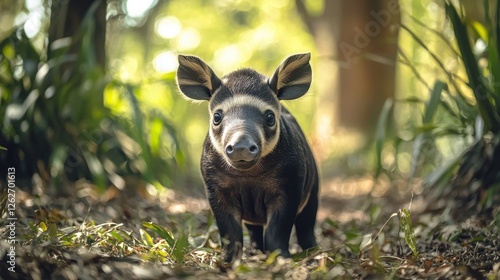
244 105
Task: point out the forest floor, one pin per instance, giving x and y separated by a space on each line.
365 230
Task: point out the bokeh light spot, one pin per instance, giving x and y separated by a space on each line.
137 8
165 62
189 39
168 27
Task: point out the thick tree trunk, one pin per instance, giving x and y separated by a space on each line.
357 45
368 44
77 34
66 22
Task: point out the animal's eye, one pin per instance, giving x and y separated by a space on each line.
217 119
270 119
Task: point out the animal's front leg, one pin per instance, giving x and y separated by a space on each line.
231 236
279 228
231 233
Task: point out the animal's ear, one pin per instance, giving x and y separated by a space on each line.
293 77
195 78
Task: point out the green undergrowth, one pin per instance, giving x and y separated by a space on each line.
57 241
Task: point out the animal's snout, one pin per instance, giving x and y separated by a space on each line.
242 149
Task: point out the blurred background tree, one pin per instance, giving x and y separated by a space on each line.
55 127
66 19
357 43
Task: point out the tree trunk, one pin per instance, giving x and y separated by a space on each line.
66 22
77 34
368 45
357 45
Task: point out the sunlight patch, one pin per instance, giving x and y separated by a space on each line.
137 8
165 62
168 27
189 39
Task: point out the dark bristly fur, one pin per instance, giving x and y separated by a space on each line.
257 166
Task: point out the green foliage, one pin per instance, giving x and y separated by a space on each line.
430 109
409 233
133 114
55 123
174 248
459 112
54 240
483 86
381 132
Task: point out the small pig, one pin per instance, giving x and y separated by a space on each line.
256 164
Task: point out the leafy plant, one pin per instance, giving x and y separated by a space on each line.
407 226
471 107
54 122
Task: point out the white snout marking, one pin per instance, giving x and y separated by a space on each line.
218 141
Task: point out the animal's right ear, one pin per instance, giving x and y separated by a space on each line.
195 78
293 77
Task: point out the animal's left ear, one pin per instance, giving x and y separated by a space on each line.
196 79
293 77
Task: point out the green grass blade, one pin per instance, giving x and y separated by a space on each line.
451 77
181 246
96 170
272 257
496 31
435 32
486 7
487 34
162 232
138 130
404 60
52 232
443 173
407 226
146 238
466 111
434 101
476 80
419 142
116 236
494 56
430 110
381 132
480 30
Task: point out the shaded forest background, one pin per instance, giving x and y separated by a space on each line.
404 105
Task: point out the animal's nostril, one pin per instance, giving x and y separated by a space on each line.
254 149
243 149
